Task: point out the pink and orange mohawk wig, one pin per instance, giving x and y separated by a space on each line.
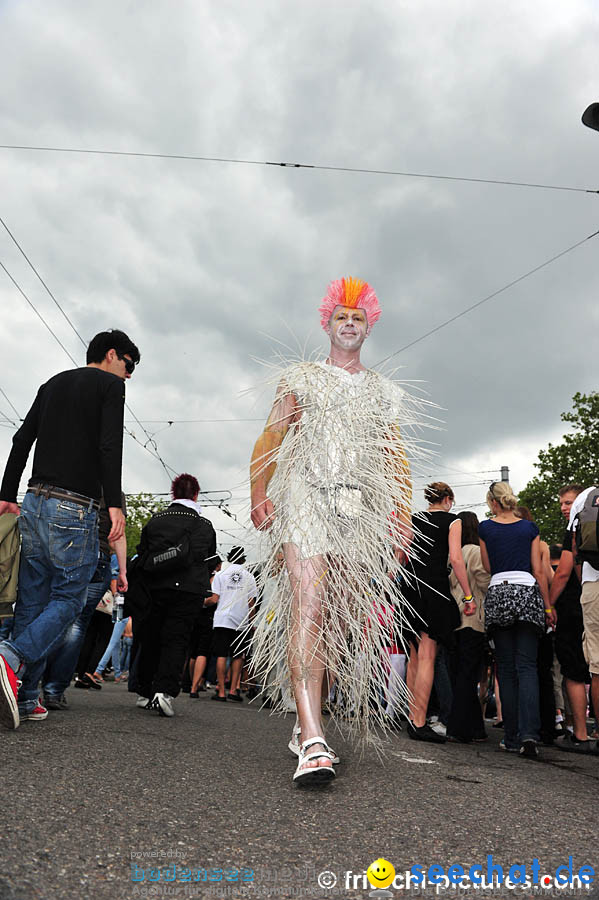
350 292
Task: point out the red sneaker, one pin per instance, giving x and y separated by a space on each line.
36 715
9 711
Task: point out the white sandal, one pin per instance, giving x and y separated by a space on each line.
313 774
294 745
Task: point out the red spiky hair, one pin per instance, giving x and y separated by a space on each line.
352 292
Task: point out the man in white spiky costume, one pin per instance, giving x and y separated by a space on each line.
331 483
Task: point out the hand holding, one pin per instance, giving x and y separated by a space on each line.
7 507
263 514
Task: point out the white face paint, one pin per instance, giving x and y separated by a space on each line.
348 328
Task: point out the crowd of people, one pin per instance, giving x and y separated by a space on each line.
493 604
385 618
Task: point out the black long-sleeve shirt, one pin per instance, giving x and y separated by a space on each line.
77 421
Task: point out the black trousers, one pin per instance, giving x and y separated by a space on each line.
164 637
546 693
95 642
466 718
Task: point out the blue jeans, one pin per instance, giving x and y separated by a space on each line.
113 649
61 663
126 644
516 656
58 558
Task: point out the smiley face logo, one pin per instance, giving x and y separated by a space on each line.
380 873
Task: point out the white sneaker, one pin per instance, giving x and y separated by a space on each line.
164 704
438 728
143 702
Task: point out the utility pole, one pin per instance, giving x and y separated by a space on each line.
505 473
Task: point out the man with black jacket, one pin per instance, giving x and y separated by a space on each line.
173 551
76 422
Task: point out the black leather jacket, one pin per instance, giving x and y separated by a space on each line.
165 529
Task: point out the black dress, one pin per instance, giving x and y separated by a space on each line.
435 611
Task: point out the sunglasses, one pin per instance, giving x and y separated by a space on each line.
129 364
491 486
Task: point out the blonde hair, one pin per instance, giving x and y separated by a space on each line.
502 493
437 491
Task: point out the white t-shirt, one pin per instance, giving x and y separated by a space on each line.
588 572
235 586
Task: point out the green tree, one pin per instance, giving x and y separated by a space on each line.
574 461
140 508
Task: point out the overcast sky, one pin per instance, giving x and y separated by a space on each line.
208 265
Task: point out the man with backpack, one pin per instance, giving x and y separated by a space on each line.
565 596
584 523
173 550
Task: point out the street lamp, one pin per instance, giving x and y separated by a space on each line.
590 116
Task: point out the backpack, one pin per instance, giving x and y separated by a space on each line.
176 555
179 556
587 530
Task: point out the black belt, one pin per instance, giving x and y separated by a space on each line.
49 491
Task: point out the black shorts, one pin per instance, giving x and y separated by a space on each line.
201 641
568 641
227 642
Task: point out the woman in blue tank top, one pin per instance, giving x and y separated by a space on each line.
515 614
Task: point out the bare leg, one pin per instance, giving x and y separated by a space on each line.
422 679
236 667
306 654
198 672
577 696
499 717
221 671
411 677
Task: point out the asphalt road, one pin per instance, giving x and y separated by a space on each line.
104 793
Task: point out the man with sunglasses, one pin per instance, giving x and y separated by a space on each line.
76 422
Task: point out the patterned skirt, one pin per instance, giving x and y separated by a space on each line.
507 604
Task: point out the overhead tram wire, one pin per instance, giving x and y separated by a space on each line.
12 406
9 421
360 170
49 292
32 267
156 455
38 314
489 297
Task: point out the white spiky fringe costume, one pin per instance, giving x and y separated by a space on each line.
342 474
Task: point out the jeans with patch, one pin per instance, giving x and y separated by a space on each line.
62 661
58 558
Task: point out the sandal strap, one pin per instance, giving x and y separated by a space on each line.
312 741
318 754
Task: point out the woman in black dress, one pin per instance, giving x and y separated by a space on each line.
437 541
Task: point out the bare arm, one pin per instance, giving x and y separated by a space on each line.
212 600
565 568
457 560
546 562
120 548
539 573
262 467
